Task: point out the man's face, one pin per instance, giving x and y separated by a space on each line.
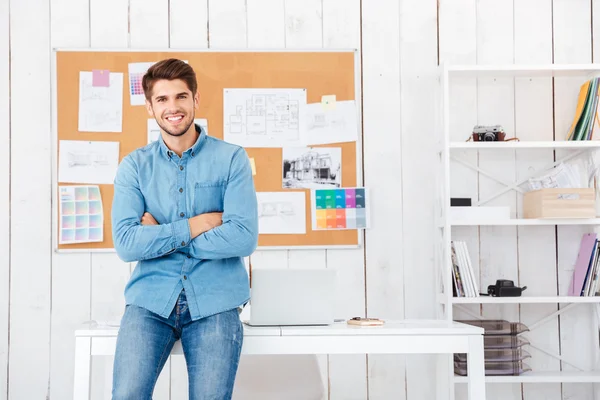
173 106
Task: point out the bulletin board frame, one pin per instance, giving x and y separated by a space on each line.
55 140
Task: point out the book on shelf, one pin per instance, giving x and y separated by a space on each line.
465 282
586 115
586 274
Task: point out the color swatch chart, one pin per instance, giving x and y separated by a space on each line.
80 214
135 83
340 209
136 74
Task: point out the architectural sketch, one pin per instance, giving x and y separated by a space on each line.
330 126
100 108
263 117
281 213
83 161
307 167
87 159
281 209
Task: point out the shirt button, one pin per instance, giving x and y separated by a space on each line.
192 154
188 256
185 277
180 190
181 214
181 167
183 243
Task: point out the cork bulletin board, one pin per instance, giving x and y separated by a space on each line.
320 72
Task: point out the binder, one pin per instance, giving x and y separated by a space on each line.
586 112
584 257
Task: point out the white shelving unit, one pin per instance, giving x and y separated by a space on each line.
445 224
524 221
526 300
540 377
525 145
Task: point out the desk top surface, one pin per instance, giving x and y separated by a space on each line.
404 327
397 328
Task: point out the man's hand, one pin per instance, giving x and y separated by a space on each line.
148 219
204 222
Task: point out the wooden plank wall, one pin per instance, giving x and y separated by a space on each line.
44 296
5 195
29 267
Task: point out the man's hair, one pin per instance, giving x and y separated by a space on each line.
169 69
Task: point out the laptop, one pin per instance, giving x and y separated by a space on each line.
292 297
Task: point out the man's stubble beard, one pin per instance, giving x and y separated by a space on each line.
177 134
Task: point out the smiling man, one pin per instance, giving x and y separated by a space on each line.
185 210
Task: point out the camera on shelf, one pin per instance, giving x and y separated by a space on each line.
488 133
505 288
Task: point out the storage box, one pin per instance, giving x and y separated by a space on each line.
560 203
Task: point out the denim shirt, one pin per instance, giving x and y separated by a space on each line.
211 176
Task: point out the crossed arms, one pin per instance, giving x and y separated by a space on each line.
234 233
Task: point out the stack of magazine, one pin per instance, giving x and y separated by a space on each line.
465 282
582 127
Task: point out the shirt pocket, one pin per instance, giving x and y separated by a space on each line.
208 197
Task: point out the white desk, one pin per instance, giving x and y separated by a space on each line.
401 337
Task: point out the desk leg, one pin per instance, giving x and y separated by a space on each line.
83 358
476 368
444 380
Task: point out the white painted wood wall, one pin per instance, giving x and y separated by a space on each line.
44 296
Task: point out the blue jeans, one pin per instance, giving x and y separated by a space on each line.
211 346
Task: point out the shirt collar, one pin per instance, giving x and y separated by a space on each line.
193 151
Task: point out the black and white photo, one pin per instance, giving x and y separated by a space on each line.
312 167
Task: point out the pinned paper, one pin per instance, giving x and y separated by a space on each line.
281 213
88 161
328 102
326 126
100 78
253 166
344 208
136 75
100 107
81 214
311 167
263 117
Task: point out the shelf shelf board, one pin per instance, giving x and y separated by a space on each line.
541 377
528 221
522 70
525 300
559 144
